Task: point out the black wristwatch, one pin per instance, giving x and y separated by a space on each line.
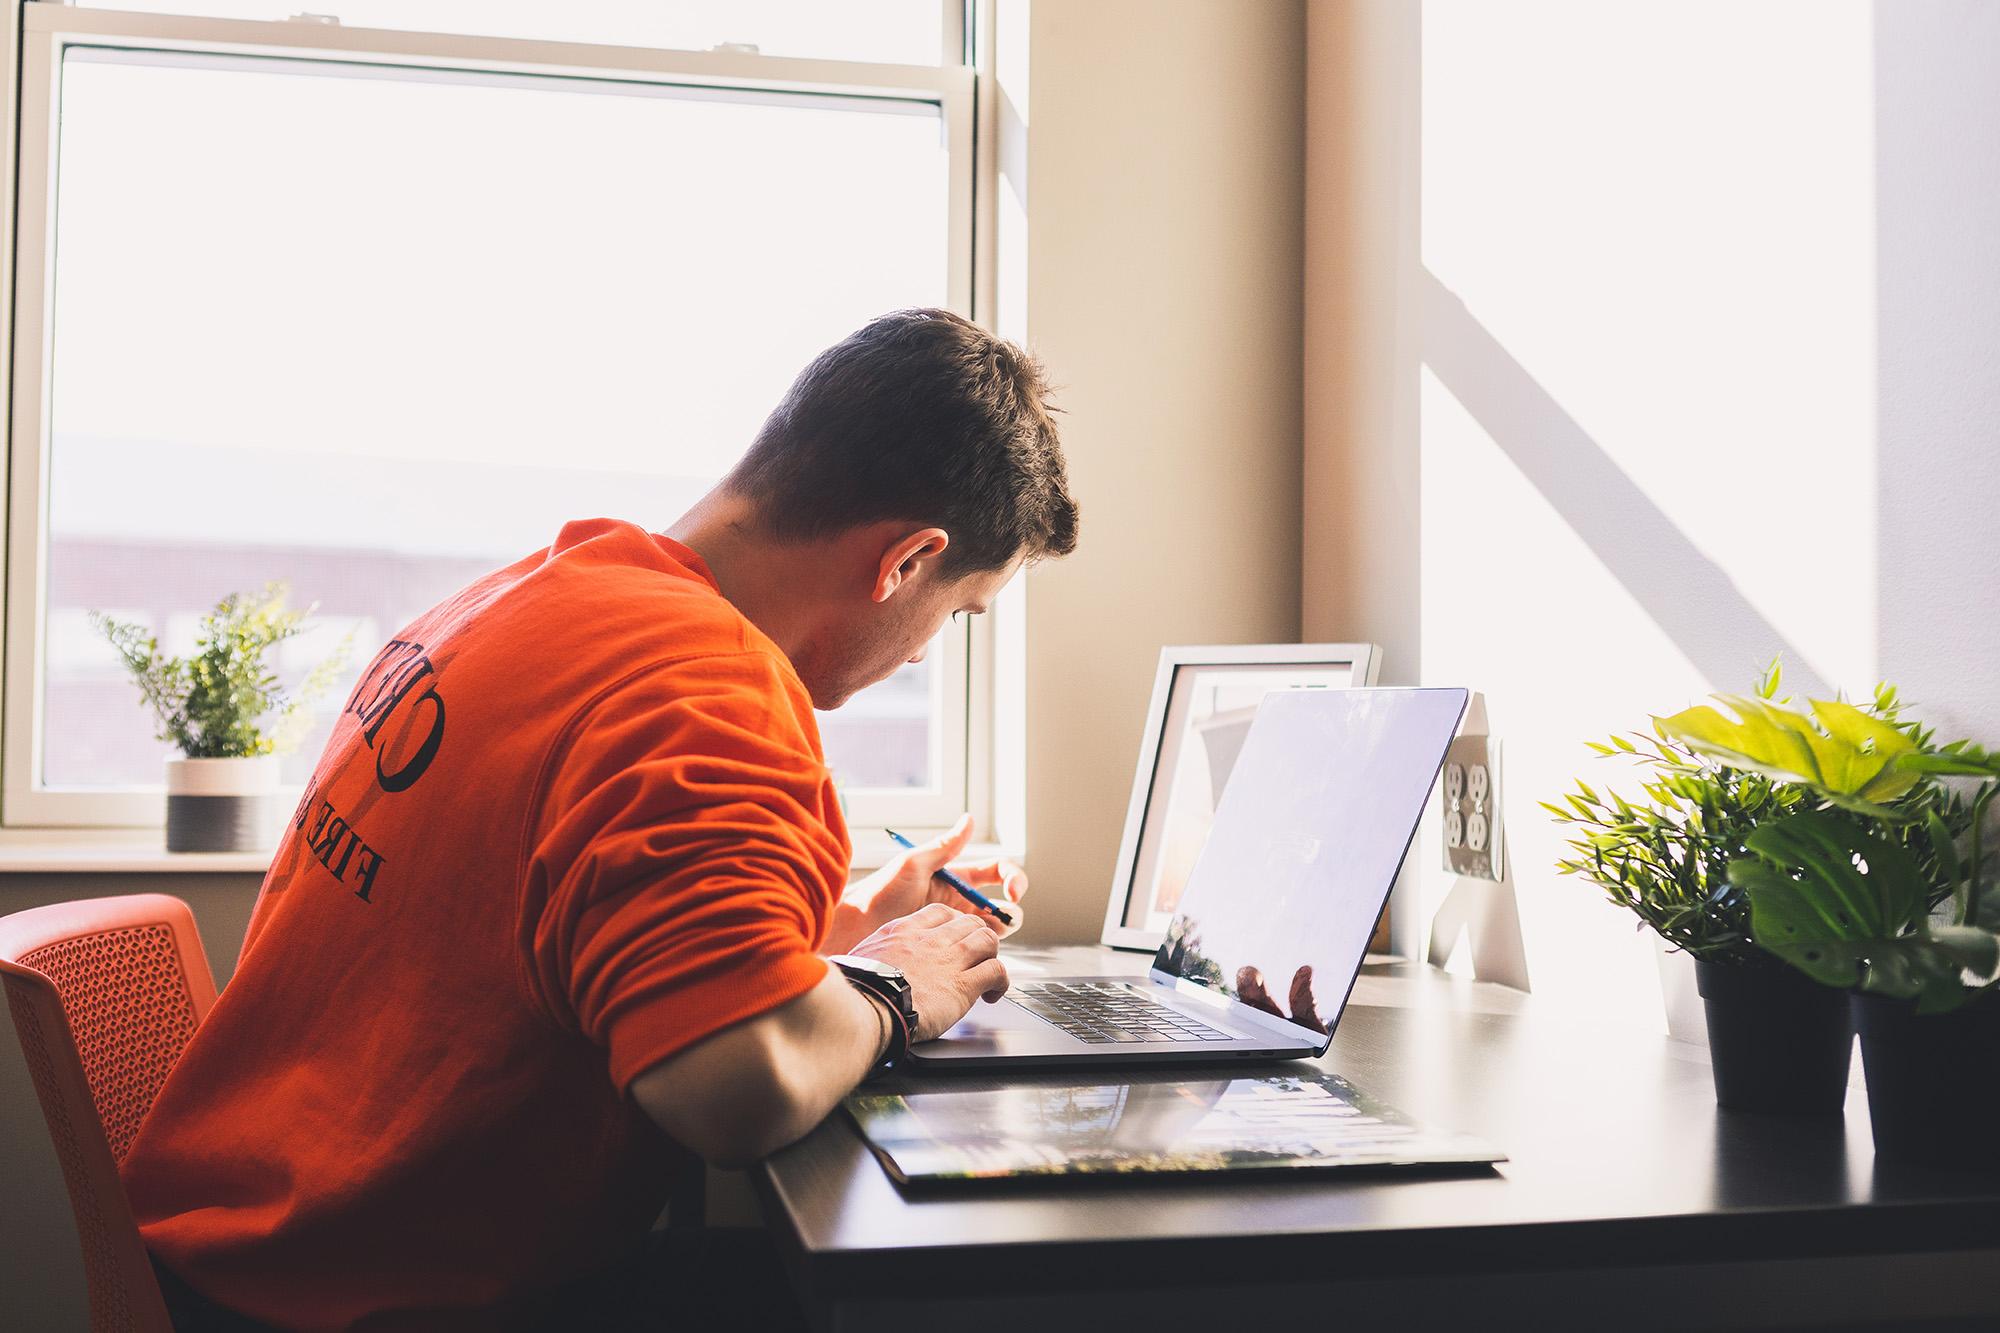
893 988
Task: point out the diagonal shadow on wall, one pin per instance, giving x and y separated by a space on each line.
1687 595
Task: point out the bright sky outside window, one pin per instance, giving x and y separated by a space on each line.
378 332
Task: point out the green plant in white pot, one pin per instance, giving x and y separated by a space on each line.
228 713
1777 1042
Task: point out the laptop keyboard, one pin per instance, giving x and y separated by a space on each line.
1109 1011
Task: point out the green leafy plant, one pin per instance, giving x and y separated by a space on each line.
225 701
1665 858
1881 881
1841 752
1847 907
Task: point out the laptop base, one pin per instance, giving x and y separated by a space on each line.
1007 1034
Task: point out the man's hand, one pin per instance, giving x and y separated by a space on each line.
950 960
905 883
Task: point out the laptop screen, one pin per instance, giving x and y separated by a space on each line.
1307 839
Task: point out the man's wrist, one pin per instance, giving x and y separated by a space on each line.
886 1020
890 989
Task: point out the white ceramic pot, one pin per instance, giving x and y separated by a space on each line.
1686 1019
222 805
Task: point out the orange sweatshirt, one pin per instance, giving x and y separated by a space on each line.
571 821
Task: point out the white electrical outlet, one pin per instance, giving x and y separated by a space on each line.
1472 808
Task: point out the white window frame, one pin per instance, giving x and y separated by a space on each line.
37 35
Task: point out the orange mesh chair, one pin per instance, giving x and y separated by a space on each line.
105 994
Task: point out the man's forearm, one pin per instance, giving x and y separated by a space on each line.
753 1088
825 1050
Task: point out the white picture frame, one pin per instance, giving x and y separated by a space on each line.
1203 698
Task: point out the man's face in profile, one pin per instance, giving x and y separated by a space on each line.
867 651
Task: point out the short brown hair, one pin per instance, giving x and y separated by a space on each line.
924 416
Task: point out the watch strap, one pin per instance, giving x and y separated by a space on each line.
892 994
899 1029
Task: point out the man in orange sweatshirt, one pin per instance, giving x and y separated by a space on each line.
557 907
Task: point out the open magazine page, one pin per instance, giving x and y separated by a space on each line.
1280 1121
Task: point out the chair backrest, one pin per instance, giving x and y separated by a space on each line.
105 993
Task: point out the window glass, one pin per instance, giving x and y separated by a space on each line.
899 32
376 333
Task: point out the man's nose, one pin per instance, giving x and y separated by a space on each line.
920 654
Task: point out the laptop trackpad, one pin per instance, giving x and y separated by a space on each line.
986 1020
994 1029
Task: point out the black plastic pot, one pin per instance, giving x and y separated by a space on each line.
1778 1040
1933 1079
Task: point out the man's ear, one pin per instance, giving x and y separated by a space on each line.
904 556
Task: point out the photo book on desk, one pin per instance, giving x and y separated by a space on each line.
1307 1121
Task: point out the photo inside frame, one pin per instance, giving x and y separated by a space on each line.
1209 709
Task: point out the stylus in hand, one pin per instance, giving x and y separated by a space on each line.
965 891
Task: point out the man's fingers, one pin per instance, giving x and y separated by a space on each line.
1015 914
988 980
981 943
1012 879
956 925
934 914
954 840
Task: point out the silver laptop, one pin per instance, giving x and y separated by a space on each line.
1269 935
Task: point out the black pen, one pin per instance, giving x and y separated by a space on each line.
965 891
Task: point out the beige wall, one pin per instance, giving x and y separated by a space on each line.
1163 247
1360 520
1360 538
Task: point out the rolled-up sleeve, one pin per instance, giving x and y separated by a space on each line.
685 854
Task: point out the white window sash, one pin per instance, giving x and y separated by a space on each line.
961 691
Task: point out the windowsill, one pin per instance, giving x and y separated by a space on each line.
114 851
141 852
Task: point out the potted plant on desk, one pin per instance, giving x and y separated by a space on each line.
1880 888
227 713
1777 1041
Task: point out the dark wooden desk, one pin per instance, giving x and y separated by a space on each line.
1629 1202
